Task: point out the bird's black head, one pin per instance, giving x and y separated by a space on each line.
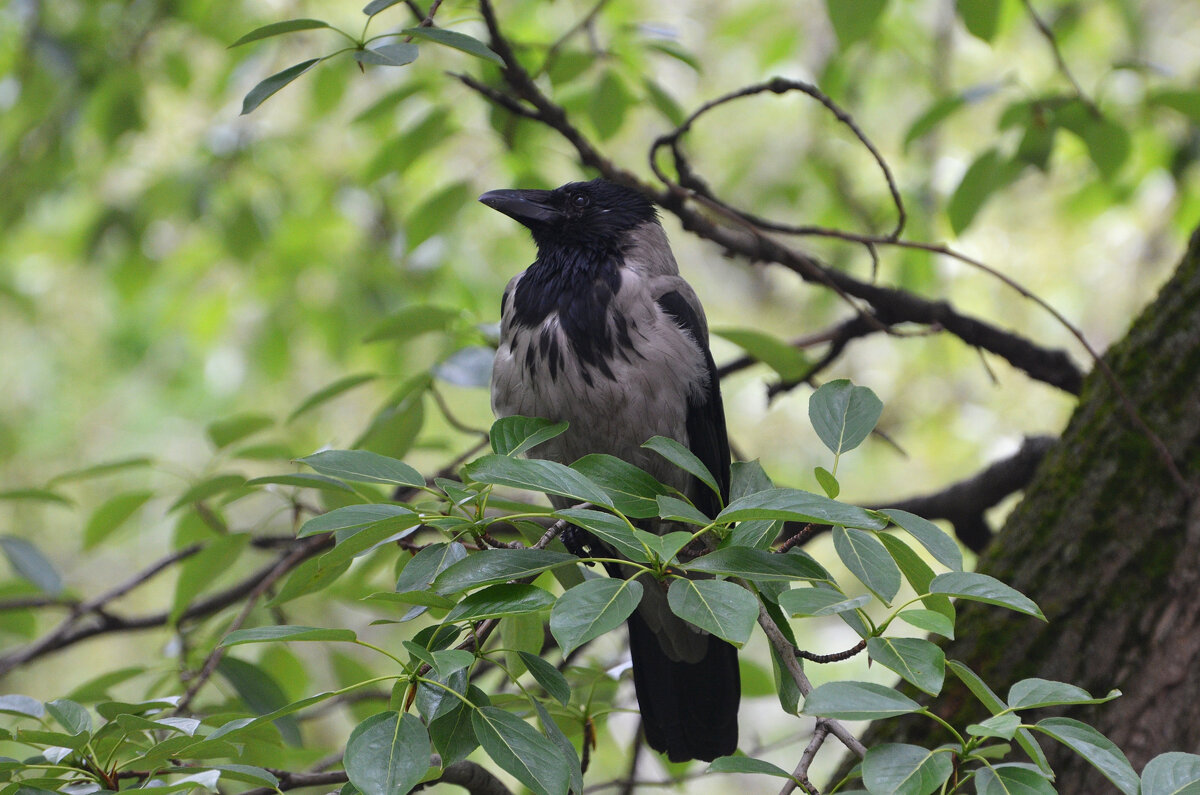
594 214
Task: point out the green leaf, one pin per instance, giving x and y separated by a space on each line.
610 101
498 565
459 41
262 695
869 561
853 20
548 677
223 433
113 513
918 661
516 434
799 506
933 538
13 704
990 172
1097 749
420 572
1172 773
843 415
501 599
279 28
608 528
28 563
412 321
248 773
683 458
757 564
591 609
918 573
633 492
100 470
1185 101
828 482
901 769
673 509
263 91
517 748
746 764
1109 145
304 480
819 602
994 705
363 466
350 517
397 54
36 495
982 588
746 478
387 754
857 701
452 733
375 6
930 621
71 716
664 548
352 543
535 475
981 17
287 632
565 747
1011 780
662 100
1032 693
788 361
1003 726
467 367
726 610
329 392
205 489
936 113
199 572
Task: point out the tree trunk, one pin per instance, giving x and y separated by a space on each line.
1105 542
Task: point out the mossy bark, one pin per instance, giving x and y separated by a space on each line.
1109 546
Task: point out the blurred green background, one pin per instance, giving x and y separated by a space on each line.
167 264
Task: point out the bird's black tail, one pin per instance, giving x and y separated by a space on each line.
689 710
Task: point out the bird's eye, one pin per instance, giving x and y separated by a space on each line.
580 200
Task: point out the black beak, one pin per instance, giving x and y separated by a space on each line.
529 207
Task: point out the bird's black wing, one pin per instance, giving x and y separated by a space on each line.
707 437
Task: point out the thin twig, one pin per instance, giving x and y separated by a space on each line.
820 732
1059 61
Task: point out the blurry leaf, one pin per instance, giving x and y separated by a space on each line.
459 41
363 466
394 430
934 115
985 176
789 362
265 452
261 92
746 764
223 433
1096 749
36 495
211 487
111 515
375 6
1037 144
981 17
28 562
518 749
286 632
304 480
387 754
869 561
417 140
591 609
677 52
99 470
535 475
853 19
857 701
918 661
843 415
498 565
327 393
982 588
683 458
469 367
278 28
398 54
309 577
798 506
726 610
664 102
1184 101
200 572
515 435
438 214
610 100
906 769
262 695
1109 145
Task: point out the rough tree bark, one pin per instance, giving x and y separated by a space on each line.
1109 547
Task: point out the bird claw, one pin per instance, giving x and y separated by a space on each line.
576 542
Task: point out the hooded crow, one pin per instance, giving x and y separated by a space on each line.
603 332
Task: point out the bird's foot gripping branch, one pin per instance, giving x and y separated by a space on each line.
473 557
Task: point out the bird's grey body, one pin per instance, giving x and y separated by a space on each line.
602 332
